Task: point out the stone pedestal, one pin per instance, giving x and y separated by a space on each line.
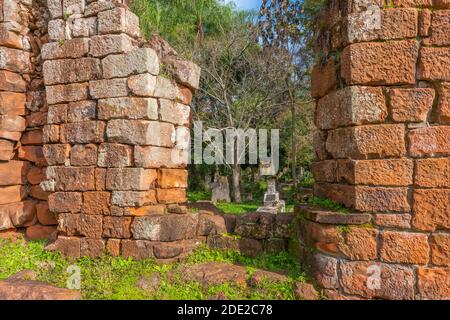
272 202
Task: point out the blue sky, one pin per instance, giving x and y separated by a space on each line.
248 4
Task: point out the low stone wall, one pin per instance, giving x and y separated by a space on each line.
255 233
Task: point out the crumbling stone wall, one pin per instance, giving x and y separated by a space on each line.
382 149
117 134
23 109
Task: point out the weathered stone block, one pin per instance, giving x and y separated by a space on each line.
432 173
137 249
111 155
183 138
83 132
117 227
14 60
32 137
125 179
429 141
431 208
13 172
323 79
57 114
118 20
351 106
440 249
141 132
93 248
91 226
68 246
404 247
433 283
66 93
128 108
367 142
19 214
81 111
113 247
444 103
11 194
55 8
111 88
65 202
142 60
360 62
101 46
432 63
157 157
51 134
32 153
73 6
171 195
11 81
9 38
83 155
56 154
57 30
166 89
389 172
73 48
72 178
366 198
6 150
393 220
12 104
143 85
186 72
324 171
84 27
96 202
164 228
381 24
411 105
172 178
174 112
12 123
396 281
133 198
440 28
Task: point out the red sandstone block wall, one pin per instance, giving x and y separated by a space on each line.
383 144
23 112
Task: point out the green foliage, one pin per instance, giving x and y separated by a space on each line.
194 196
115 278
328 204
184 23
237 208
282 262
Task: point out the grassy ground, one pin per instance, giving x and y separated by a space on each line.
116 278
232 207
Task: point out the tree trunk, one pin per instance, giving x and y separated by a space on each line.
236 177
293 142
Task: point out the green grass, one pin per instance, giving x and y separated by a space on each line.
116 278
328 204
232 207
194 196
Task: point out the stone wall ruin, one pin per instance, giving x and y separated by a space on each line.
94 130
